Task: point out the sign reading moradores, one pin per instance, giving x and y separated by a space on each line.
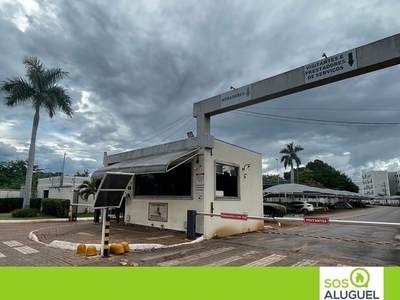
236 96
331 66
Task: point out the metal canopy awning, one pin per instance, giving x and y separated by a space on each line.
116 177
160 163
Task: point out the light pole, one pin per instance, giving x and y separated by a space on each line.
277 168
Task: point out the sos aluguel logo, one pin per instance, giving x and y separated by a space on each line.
353 285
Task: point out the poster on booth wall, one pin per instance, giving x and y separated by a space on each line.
158 212
199 183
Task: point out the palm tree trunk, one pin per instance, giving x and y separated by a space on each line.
31 160
291 174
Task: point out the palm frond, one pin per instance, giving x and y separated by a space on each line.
18 91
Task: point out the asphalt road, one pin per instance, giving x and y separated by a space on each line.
291 244
296 244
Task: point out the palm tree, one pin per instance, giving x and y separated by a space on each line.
39 89
88 187
291 155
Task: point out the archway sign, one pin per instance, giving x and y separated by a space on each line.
378 55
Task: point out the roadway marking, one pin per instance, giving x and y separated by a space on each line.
266 261
2 255
194 257
164 255
26 250
159 237
12 243
340 265
305 262
230 259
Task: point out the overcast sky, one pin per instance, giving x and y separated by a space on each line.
137 67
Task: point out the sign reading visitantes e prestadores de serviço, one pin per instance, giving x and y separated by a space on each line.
331 66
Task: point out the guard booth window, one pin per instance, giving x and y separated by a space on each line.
177 182
226 180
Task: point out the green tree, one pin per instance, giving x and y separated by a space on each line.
331 178
39 89
88 187
13 172
270 180
85 173
290 152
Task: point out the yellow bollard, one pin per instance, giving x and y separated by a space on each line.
119 249
91 250
112 247
126 246
81 249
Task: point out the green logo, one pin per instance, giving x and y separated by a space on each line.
359 277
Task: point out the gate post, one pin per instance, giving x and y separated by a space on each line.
191 225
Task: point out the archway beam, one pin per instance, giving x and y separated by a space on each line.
378 55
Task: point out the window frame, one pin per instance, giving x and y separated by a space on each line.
238 170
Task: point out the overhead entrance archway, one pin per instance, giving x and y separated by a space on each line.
378 55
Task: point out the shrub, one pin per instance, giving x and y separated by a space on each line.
24 213
56 207
274 209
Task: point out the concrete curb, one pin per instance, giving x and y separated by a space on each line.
72 246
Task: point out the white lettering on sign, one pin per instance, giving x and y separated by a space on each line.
236 96
331 66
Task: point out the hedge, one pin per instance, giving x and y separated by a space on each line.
56 207
7 205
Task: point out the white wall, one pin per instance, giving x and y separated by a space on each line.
10 194
250 199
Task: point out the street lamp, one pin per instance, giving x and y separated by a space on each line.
277 168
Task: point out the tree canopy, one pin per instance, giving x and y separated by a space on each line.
319 174
12 174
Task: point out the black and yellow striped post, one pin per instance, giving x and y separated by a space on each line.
105 238
106 245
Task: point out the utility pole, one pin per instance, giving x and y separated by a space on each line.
277 169
62 172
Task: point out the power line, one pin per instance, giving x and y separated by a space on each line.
313 121
176 131
156 133
327 109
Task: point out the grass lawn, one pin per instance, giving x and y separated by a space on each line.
7 216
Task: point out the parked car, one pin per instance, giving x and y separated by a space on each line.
357 204
274 209
300 207
376 202
341 205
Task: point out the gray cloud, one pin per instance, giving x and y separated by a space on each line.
137 67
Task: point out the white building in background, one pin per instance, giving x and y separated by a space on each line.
360 187
376 183
65 187
394 182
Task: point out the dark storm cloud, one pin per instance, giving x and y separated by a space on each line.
144 64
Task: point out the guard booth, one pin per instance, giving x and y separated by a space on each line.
162 183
